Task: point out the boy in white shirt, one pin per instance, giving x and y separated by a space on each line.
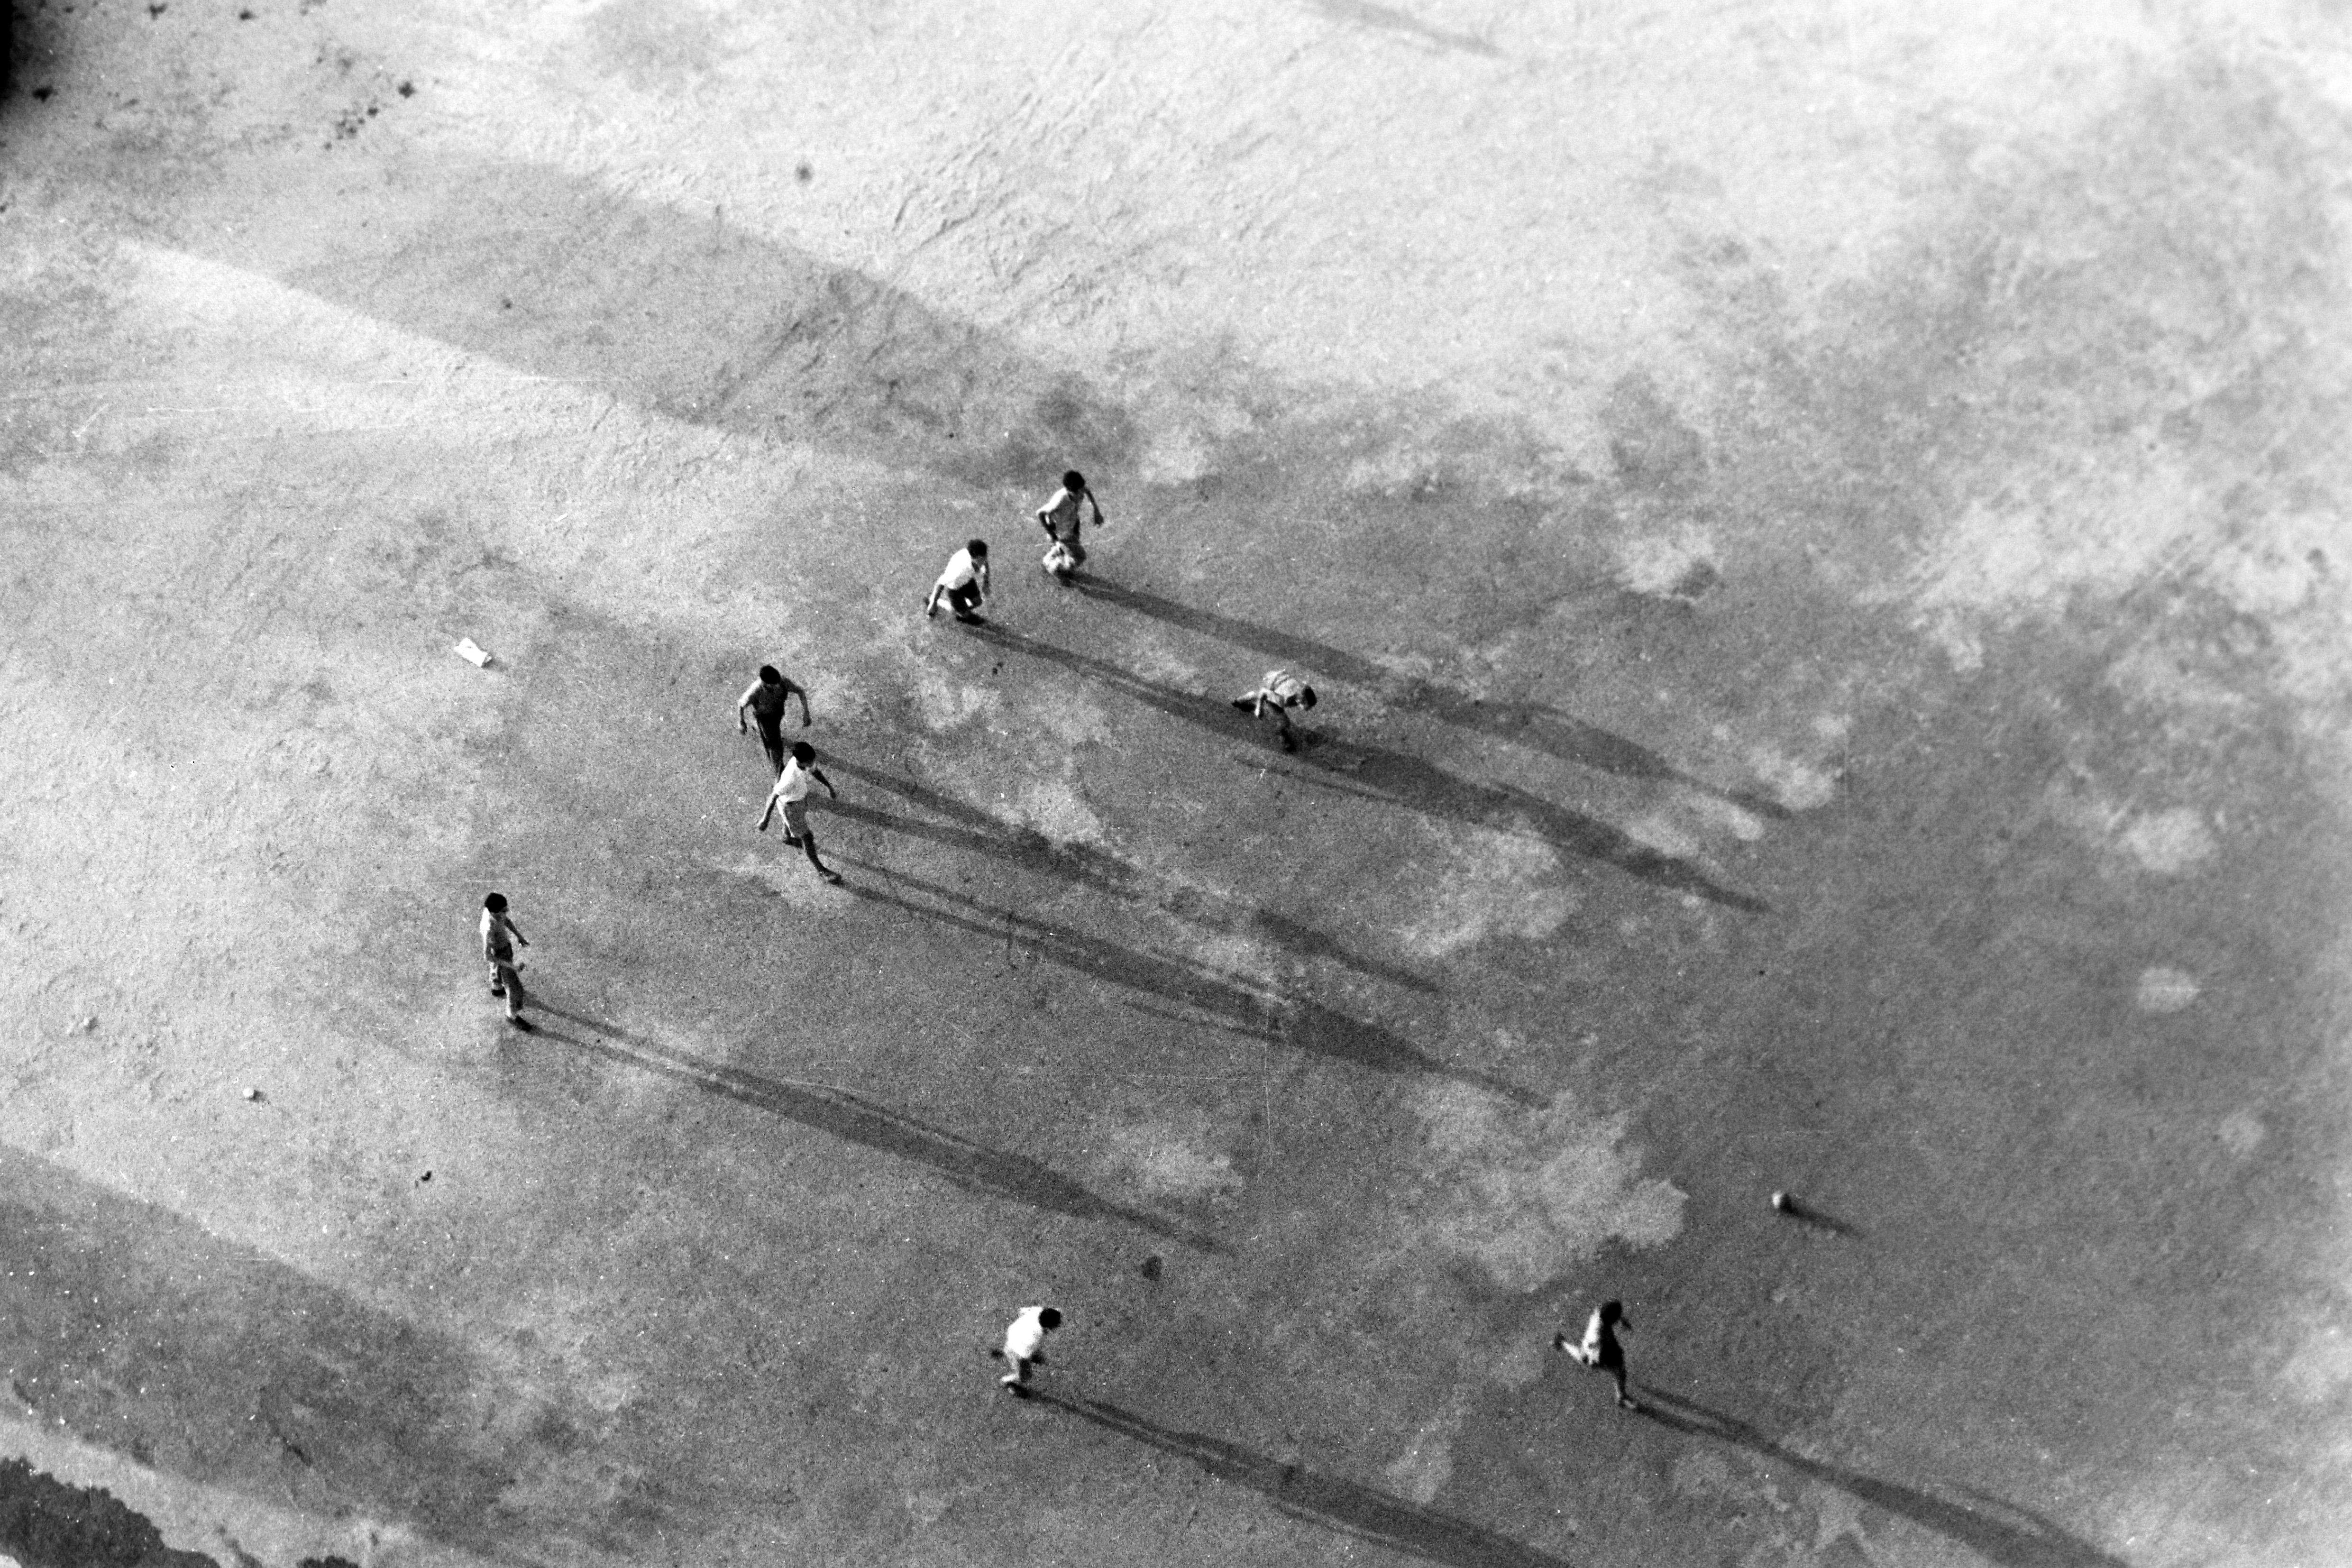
1025 1346
792 789
1059 518
964 584
499 935
1600 1351
1281 691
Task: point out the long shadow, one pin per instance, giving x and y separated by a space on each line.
681 310
975 1167
1999 1531
1219 999
1533 724
1363 1512
1389 19
1409 780
1084 866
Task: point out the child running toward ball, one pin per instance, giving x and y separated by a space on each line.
1025 1346
1601 1351
1059 518
499 935
964 584
792 789
1281 691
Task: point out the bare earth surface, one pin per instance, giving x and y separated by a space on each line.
1821 531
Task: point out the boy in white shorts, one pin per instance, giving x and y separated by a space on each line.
1025 1346
1281 691
964 584
1059 518
792 789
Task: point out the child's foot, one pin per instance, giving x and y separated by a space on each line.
832 877
931 611
793 839
517 1021
973 620
1625 1404
1243 704
498 990
1016 1391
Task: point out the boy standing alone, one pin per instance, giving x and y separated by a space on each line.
1025 1346
499 935
1601 1351
1059 518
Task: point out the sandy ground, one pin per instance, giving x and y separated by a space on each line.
1821 532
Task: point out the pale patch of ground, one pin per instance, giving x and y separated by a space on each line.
2241 1132
1529 1194
1487 884
2163 989
1165 1163
1682 565
1796 785
1427 1462
2169 842
1054 808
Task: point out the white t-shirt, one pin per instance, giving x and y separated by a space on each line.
1281 686
792 783
497 943
1026 1337
961 571
1062 514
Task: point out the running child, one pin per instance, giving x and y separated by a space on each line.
964 584
1025 1346
1281 691
792 789
1601 1351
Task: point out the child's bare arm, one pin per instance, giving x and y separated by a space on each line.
818 774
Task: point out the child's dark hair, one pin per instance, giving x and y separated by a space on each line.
1613 1311
1050 1318
804 753
495 903
976 547
1306 697
770 676
1073 481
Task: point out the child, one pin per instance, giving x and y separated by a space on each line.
1025 1346
792 788
1600 1351
766 699
964 584
499 935
1285 692
1059 518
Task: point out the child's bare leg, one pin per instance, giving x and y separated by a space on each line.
808 842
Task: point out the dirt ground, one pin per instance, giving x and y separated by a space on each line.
1820 531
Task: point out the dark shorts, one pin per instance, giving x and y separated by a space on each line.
963 601
771 736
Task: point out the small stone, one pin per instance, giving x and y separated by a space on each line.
1151 1270
253 1095
1781 1201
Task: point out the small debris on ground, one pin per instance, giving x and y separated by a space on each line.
473 653
254 1094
